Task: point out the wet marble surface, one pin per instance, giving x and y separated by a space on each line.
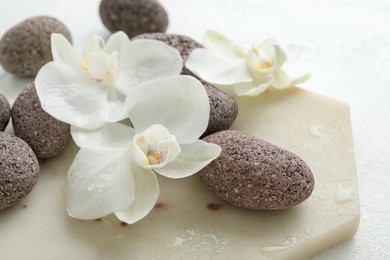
347 51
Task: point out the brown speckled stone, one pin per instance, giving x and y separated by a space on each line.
19 170
26 47
254 174
133 16
223 108
46 135
5 112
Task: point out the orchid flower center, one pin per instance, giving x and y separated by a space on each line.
154 153
155 157
100 66
155 147
259 61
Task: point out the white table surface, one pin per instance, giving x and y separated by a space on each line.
347 51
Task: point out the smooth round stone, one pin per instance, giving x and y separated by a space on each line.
223 108
5 112
254 174
19 170
26 47
133 16
46 135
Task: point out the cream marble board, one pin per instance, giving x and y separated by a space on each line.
182 226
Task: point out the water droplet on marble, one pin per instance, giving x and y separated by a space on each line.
191 232
308 234
179 241
290 241
342 195
315 131
209 243
272 251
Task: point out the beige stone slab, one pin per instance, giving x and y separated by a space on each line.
316 128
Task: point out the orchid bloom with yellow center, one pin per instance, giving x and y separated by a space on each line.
249 71
101 67
116 167
88 88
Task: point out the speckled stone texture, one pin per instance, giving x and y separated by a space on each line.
46 135
133 16
5 112
26 47
254 174
223 108
19 170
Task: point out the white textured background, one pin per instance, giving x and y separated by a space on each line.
347 51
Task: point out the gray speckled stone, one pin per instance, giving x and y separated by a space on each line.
26 47
254 174
223 108
133 16
19 170
46 135
5 112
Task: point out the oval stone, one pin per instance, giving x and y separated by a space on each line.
46 135
223 108
133 16
19 170
5 112
26 47
254 174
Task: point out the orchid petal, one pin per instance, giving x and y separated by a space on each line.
281 80
63 51
138 154
178 103
69 97
293 52
280 57
108 136
95 44
144 60
169 149
251 89
154 134
192 159
217 70
115 106
267 44
220 44
100 183
116 42
147 192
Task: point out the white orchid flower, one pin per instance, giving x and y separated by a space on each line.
88 89
250 71
115 169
